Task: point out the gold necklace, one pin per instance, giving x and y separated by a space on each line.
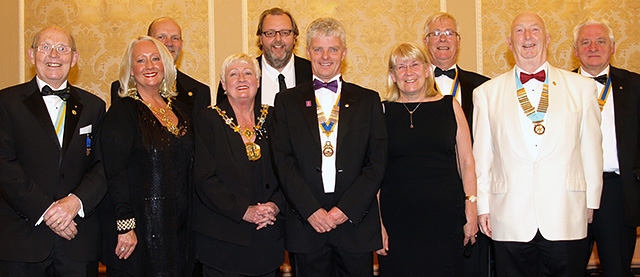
162 114
411 113
252 148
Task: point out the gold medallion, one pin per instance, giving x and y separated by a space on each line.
327 150
253 151
538 128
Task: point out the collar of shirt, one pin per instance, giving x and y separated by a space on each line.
587 74
445 83
270 73
42 83
544 66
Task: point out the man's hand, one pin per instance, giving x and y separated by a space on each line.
321 221
589 215
337 216
61 214
68 233
484 220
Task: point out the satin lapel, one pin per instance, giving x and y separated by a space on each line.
73 113
35 104
308 106
347 109
555 119
466 88
512 111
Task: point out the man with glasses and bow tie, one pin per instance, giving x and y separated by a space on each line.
330 149
442 41
281 69
538 152
51 176
614 224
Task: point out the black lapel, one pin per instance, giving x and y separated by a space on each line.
35 104
73 112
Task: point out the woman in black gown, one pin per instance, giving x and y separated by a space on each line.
238 226
147 143
427 218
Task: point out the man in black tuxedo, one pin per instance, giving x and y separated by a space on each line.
51 180
196 95
277 36
330 174
442 41
614 224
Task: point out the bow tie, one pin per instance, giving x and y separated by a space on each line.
333 85
63 93
540 76
451 73
602 78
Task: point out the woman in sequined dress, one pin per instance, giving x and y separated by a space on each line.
147 141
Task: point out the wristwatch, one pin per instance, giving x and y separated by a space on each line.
471 198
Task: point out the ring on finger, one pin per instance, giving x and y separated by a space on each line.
121 249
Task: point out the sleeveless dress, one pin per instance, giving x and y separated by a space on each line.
421 197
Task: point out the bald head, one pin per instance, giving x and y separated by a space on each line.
167 31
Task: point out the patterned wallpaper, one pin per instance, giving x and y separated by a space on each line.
103 28
560 18
373 28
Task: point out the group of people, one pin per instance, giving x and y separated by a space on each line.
537 163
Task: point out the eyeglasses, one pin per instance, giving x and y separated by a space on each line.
438 33
272 33
403 67
60 48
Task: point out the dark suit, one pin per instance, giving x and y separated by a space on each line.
468 82
35 171
477 263
301 66
196 95
226 184
360 164
614 224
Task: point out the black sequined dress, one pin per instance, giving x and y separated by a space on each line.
148 173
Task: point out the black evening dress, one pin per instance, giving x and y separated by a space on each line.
148 174
421 197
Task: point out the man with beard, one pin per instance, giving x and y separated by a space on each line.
277 35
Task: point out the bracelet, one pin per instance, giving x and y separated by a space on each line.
126 224
471 198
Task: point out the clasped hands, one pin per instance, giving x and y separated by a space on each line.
262 214
59 217
323 221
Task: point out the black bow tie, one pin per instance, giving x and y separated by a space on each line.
451 73
63 93
602 78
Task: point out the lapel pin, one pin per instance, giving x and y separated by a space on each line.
190 93
621 87
346 105
307 103
554 83
73 112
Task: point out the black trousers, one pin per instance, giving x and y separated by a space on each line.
477 263
332 261
615 240
541 257
57 264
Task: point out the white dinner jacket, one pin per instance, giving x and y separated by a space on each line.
552 191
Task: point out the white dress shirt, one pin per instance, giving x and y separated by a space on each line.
270 84
327 100
534 90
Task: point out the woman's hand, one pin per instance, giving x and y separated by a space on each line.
471 227
262 215
126 244
385 242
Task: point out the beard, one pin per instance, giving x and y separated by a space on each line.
274 61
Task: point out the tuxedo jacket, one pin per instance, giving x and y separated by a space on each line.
468 82
552 191
626 108
360 164
194 94
225 184
301 66
35 171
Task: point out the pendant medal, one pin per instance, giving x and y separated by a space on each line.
538 128
253 151
327 150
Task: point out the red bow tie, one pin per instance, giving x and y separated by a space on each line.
540 76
